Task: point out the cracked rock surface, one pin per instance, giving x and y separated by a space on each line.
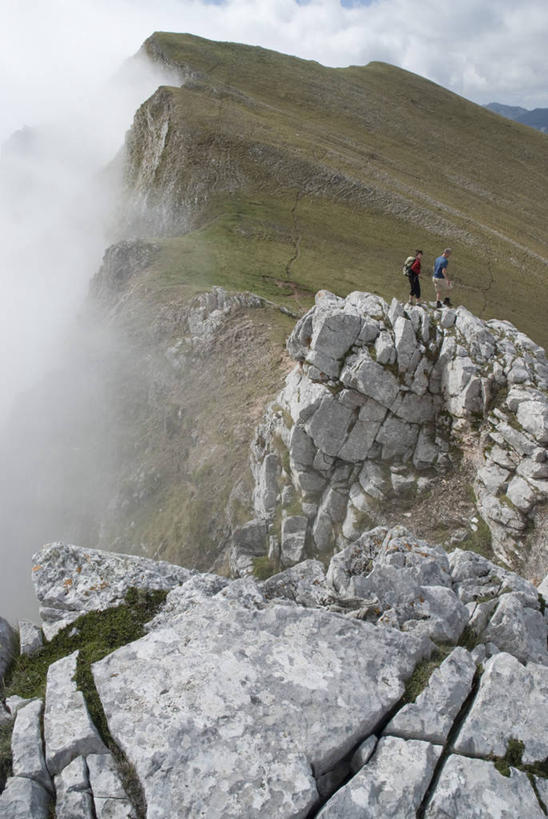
385 404
317 692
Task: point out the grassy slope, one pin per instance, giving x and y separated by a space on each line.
357 166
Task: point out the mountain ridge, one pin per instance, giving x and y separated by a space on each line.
535 118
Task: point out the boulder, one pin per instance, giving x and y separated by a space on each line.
363 753
304 584
69 581
68 729
30 637
26 745
473 788
329 425
24 798
72 794
293 543
380 789
519 629
431 716
109 797
510 704
371 379
245 701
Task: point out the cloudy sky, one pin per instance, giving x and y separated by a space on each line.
486 50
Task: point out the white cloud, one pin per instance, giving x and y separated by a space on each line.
493 50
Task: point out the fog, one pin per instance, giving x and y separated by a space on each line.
58 191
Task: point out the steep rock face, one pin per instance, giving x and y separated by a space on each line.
386 406
286 698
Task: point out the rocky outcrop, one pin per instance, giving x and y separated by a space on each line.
338 692
384 405
70 582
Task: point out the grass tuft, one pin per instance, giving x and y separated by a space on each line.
264 567
420 677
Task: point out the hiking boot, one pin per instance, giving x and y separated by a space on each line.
439 304
447 301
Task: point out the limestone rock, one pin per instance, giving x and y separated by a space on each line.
304 584
405 342
30 637
406 577
69 581
518 629
333 333
68 729
380 789
72 796
354 561
431 374
476 577
24 799
432 714
363 753
26 745
510 704
244 699
475 789
196 590
329 425
385 352
521 493
8 643
109 797
294 529
533 417
371 379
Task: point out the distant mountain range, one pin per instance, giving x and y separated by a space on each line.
538 118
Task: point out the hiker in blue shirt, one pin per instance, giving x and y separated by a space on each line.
440 280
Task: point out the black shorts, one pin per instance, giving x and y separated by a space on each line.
415 285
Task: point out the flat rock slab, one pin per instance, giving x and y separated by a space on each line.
70 581
24 799
109 797
510 704
432 715
234 709
473 788
30 637
68 729
26 745
393 783
72 796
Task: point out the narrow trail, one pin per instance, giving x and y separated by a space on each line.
296 236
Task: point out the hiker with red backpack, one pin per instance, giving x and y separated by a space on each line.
412 269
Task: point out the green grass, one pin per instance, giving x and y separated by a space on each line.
513 759
479 541
420 677
95 635
264 567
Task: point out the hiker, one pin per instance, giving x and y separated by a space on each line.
413 270
441 282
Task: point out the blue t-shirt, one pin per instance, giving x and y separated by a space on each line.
439 266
